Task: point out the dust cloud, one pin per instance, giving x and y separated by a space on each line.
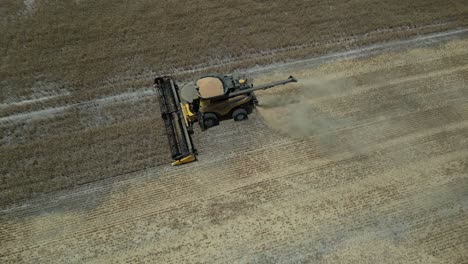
349 106
296 113
299 114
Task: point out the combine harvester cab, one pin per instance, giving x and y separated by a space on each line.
178 128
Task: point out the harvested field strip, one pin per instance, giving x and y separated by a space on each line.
367 223
156 214
420 91
416 95
391 151
263 153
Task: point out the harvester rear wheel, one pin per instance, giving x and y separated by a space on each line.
240 114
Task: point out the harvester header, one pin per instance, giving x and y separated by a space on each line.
180 141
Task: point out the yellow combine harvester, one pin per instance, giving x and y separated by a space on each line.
219 97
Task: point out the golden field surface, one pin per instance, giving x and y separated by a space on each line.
75 102
364 160
366 163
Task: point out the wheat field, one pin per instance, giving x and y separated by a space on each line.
88 49
371 168
75 75
363 161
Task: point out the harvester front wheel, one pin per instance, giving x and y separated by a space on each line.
240 114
